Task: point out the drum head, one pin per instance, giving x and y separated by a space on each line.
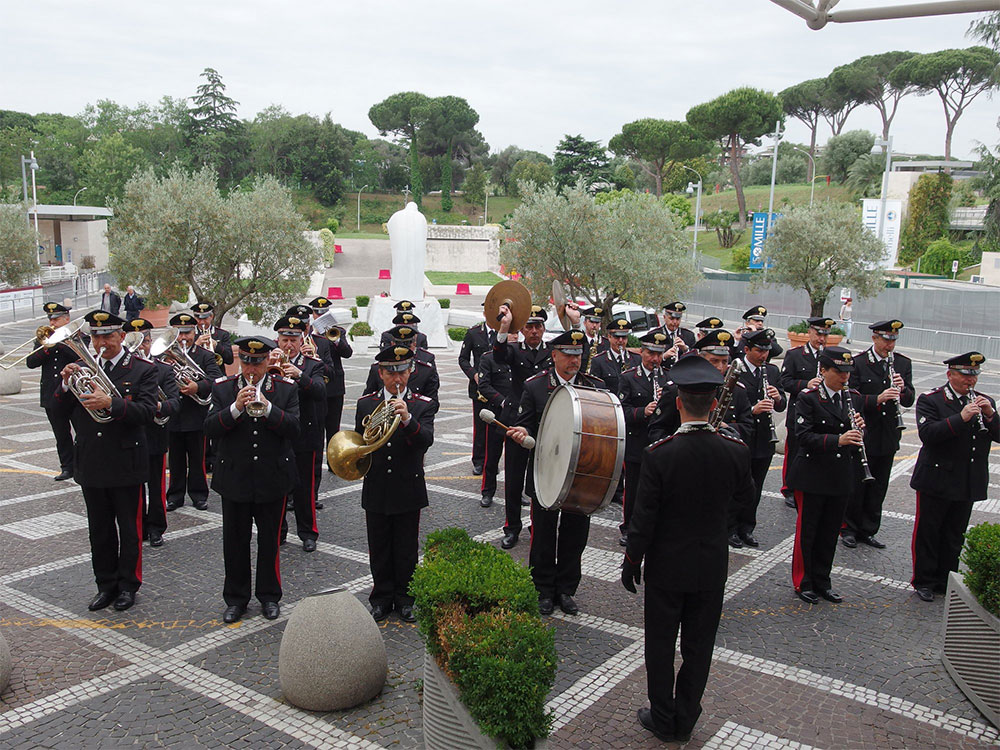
556 447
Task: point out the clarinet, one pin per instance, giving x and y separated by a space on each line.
979 416
892 377
770 415
852 416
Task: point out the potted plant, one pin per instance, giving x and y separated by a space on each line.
798 334
490 660
360 335
972 621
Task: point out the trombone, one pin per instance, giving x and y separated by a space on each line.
42 334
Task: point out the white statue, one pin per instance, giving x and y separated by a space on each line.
408 240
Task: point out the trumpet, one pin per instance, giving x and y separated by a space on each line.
90 378
42 334
308 345
900 425
276 364
257 407
169 351
852 416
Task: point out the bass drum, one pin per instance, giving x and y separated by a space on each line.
579 450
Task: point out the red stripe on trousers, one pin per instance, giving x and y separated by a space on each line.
138 528
784 469
277 542
163 483
486 456
798 564
312 492
204 449
624 495
913 541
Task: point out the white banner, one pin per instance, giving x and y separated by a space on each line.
870 212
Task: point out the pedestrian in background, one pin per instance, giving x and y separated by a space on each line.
134 304
846 312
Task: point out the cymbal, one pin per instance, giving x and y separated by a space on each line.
516 296
559 300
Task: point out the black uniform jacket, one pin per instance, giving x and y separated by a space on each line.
686 335
599 345
255 461
223 344
870 378
157 436
114 454
332 355
496 391
477 342
52 361
536 394
821 466
759 439
524 362
635 391
606 367
191 417
679 520
312 404
954 459
797 369
386 340
395 482
423 380
666 419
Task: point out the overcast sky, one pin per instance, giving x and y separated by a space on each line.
533 70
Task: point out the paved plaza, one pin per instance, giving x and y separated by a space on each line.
168 672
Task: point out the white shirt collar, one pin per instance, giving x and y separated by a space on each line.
561 379
114 360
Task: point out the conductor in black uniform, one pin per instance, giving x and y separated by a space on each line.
638 390
111 461
688 483
52 360
616 359
825 472
800 370
558 538
956 425
395 490
255 418
871 378
765 402
478 340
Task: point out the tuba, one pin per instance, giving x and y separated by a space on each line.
169 351
90 378
349 453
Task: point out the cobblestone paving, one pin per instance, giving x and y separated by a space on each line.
169 673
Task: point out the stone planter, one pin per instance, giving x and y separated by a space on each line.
360 344
801 339
972 648
448 725
158 316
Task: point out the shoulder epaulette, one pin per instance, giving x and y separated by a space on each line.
314 359
422 397
731 439
537 375
659 442
808 390
631 369
741 385
283 379
224 378
373 394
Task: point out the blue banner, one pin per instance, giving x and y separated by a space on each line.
758 232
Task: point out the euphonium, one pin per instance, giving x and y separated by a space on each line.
170 351
349 454
133 343
90 378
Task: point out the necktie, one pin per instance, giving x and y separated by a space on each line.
108 366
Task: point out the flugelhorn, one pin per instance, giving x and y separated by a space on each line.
42 334
349 453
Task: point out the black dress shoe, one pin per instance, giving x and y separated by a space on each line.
735 542
809 597
871 542
233 613
63 475
940 588
831 596
381 611
509 540
406 613
290 508
102 600
525 502
125 600
623 539
155 540
309 545
171 505
849 540
281 542
790 501
271 610
925 593
486 501
200 504
567 605
545 605
646 720
749 540
319 506
477 470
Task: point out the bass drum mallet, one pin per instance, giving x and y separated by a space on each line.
490 418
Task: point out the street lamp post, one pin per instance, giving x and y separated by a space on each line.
697 208
32 163
812 185
774 171
78 194
364 187
887 143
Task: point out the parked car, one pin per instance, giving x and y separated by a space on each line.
641 318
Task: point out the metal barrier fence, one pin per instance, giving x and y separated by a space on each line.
83 289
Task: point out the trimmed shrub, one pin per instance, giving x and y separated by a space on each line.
803 327
362 300
477 612
457 333
354 312
361 328
981 556
741 257
332 224
445 303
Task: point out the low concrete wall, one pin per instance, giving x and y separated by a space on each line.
463 248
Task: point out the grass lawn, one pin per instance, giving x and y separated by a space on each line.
361 236
757 196
708 244
446 278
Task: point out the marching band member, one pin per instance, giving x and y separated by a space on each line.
638 390
52 360
753 320
111 459
956 425
187 428
405 316
255 419
871 378
307 374
673 312
495 392
424 378
215 340
557 538
332 354
477 342
766 401
678 529
616 359
394 490
595 343
706 326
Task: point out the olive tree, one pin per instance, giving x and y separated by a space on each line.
18 246
820 247
605 252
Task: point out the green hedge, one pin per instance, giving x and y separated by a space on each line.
982 558
477 611
445 303
457 333
354 312
360 329
362 300
803 327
